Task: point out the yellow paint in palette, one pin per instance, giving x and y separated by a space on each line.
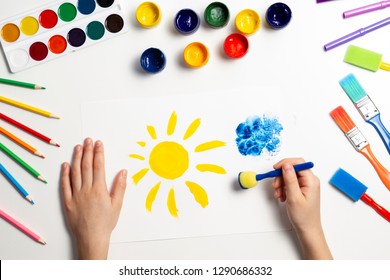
29 26
169 160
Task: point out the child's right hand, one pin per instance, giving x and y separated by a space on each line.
301 193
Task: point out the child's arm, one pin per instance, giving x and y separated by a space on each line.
301 192
91 211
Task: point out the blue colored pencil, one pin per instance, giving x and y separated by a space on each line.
15 183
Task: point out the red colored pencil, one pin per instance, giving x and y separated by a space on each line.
28 130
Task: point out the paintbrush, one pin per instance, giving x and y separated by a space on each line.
356 190
249 179
366 107
359 142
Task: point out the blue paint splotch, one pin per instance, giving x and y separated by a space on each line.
258 135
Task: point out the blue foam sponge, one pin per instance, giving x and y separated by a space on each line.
348 184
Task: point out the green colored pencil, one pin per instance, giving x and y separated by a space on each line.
20 84
22 163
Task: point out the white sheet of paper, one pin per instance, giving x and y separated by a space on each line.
120 124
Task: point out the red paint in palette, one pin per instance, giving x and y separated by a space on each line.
38 51
48 19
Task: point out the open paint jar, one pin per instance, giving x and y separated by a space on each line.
236 45
217 15
196 55
153 60
278 15
187 21
248 21
148 14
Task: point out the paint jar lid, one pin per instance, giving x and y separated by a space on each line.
217 15
248 21
236 45
278 15
187 21
153 60
148 14
196 55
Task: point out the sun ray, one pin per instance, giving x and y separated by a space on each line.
191 129
139 175
141 143
152 132
172 124
199 193
137 156
171 203
152 196
211 168
209 145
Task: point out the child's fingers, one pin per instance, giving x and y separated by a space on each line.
66 186
75 170
293 161
87 163
118 189
293 190
99 172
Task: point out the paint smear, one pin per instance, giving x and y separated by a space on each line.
191 129
139 175
199 193
137 156
141 143
258 135
169 160
152 132
209 145
171 203
211 168
172 124
152 196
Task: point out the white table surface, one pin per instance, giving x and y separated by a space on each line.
292 58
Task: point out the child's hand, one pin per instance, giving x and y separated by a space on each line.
301 192
92 212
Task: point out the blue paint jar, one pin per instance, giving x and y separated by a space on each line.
187 21
153 60
278 15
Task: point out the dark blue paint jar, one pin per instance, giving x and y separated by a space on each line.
278 15
153 60
187 21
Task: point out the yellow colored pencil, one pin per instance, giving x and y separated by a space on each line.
20 142
27 107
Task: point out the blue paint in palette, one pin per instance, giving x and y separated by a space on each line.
258 135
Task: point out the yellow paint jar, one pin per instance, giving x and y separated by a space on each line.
248 21
148 14
196 55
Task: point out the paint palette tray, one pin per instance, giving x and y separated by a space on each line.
59 28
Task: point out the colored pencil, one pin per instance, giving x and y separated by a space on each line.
27 107
359 142
28 130
366 9
20 142
20 84
356 34
16 184
22 163
21 227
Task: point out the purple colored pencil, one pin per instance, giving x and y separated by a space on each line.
356 34
366 9
320 1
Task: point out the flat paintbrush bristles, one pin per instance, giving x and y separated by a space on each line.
247 179
352 88
349 185
342 119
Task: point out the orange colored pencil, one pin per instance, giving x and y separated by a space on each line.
20 142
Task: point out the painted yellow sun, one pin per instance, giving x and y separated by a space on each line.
170 160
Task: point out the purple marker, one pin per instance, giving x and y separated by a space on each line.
366 9
320 1
356 34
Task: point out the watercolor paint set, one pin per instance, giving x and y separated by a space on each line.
56 29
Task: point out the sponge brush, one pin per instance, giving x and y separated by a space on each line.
346 183
363 58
